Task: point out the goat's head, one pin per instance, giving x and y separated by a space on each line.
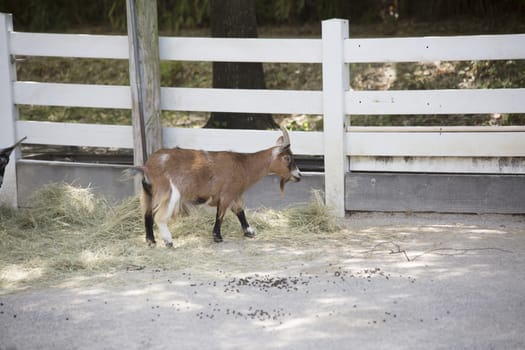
283 163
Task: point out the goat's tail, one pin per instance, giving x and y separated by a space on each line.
130 173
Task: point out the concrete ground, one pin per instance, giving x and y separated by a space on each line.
389 282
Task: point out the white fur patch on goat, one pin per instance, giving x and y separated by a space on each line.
173 203
163 158
165 233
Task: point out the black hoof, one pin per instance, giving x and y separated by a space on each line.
169 245
151 243
249 234
217 239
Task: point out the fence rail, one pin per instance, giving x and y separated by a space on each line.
370 149
368 50
277 101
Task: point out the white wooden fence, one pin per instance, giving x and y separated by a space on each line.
344 147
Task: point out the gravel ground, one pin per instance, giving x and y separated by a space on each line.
389 282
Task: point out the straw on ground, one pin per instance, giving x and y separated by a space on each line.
69 232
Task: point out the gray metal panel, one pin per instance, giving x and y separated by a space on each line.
266 193
106 180
435 193
364 191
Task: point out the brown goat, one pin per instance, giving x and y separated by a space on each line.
174 177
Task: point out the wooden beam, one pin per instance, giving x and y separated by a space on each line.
144 68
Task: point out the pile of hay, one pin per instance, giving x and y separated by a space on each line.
70 232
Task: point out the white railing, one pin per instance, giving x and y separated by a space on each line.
439 149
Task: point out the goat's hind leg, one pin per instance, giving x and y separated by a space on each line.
148 224
148 212
164 212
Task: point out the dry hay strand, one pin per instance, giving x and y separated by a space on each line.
69 232
64 206
316 217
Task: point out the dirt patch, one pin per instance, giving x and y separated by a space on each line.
458 283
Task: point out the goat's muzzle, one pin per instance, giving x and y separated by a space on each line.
295 176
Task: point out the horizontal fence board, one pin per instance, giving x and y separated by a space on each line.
69 45
452 48
74 95
456 144
120 136
474 165
238 100
241 140
456 101
374 144
277 101
71 134
171 48
176 99
240 50
438 129
476 47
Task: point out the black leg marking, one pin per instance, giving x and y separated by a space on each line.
148 224
148 215
217 237
248 232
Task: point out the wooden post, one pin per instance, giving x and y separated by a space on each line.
8 112
335 83
144 72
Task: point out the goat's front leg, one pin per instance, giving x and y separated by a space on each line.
238 208
248 231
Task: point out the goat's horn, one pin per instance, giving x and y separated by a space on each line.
286 137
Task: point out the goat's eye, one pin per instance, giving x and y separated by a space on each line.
287 159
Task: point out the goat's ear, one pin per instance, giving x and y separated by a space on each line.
280 141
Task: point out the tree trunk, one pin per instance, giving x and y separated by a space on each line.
236 19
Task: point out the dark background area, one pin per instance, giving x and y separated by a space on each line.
174 15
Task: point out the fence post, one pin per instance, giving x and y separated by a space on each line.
8 112
335 84
144 71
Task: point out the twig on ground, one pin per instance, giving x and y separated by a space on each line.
438 251
397 250
457 251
